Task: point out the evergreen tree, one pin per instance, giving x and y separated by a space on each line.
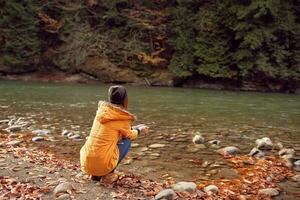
253 39
20 26
182 39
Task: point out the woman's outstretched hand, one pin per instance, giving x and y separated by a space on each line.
143 128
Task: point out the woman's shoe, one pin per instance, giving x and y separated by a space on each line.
110 178
96 178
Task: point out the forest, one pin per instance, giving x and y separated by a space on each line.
169 42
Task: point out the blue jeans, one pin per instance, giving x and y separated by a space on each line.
123 146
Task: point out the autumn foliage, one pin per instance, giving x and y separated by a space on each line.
50 25
254 174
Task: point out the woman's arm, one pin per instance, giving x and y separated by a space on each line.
128 133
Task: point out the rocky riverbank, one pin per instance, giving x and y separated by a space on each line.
35 172
159 78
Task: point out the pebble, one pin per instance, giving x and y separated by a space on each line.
155 154
211 188
13 143
231 150
52 139
135 145
63 188
73 137
70 134
37 139
269 191
255 152
198 139
205 164
184 187
65 132
216 142
167 194
287 159
4 121
285 151
154 146
264 143
278 146
143 149
41 132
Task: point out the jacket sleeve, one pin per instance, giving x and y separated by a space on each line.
128 133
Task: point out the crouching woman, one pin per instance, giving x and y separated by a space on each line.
111 134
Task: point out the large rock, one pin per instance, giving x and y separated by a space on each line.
14 143
211 188
226 151
185 187
154 146
269 192
297 165
264 143
63 188
41 132
255 152
167 194
198 139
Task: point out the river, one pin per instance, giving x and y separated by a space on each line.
174 115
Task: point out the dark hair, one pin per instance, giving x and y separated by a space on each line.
117 94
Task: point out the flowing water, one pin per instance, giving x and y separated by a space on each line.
174 116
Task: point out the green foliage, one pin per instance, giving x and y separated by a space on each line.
249 39
20 28
181 39
256 40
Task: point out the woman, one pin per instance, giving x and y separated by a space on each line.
110 136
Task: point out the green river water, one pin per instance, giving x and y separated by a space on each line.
173 115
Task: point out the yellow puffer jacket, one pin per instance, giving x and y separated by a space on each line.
100 153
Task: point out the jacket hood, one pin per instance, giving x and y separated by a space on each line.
111 112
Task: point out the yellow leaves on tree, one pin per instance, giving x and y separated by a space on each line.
50 25
152 58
